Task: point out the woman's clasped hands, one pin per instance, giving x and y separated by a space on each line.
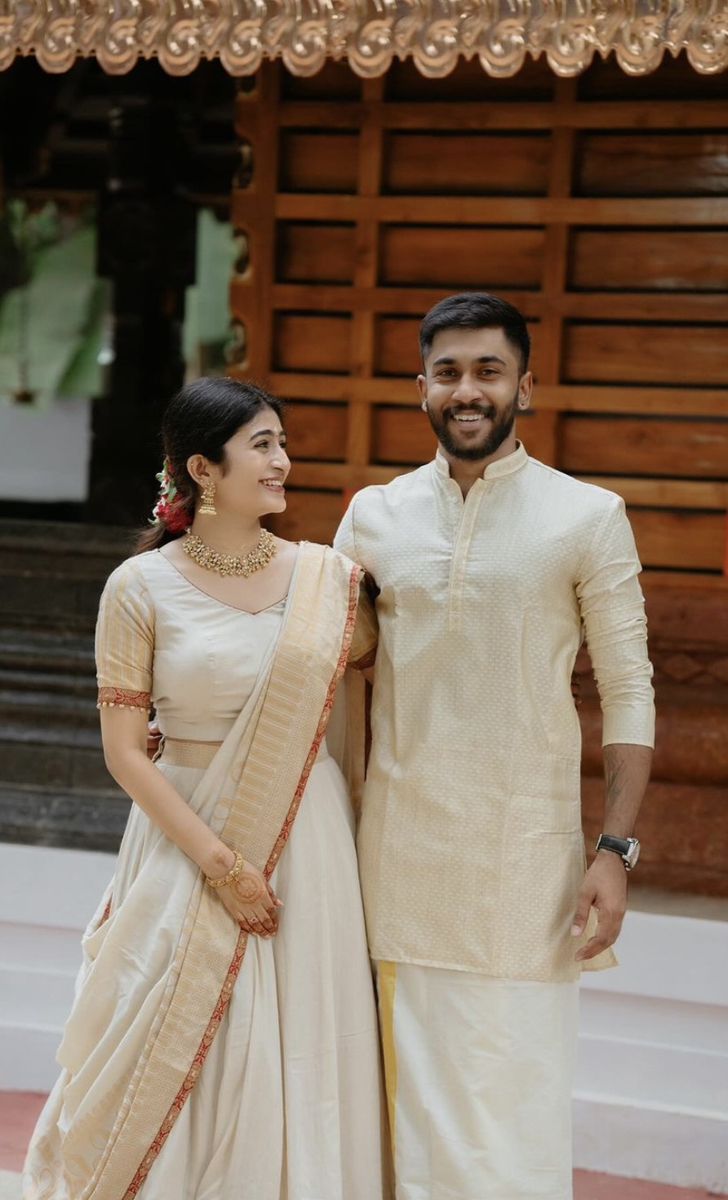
251 902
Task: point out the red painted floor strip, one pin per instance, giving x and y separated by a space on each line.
588 1185
18 1115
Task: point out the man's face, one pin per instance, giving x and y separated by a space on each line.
471 391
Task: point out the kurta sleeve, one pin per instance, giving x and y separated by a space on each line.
613 613
345 536
366 632
125 641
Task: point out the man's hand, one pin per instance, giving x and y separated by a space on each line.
604 888
154 737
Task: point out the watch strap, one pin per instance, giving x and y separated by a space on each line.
626 848
607 842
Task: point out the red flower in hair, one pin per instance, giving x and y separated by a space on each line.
169 509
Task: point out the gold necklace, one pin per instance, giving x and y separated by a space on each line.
230 564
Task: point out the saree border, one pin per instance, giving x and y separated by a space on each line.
236 963
116 697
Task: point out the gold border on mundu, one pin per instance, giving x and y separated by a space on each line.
369 34
264 787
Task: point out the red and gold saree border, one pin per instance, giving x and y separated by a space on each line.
236 963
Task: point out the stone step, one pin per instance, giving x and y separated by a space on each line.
13 728
47 761
47 676
86 818
24 649
29 715
45 686
54 786
52 573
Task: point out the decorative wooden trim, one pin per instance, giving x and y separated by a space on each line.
369 34
491 210
665 493
609 306
630 399
458 116
401 391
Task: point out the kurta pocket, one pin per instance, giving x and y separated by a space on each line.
541 876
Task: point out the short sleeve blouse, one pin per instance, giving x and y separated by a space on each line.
125 640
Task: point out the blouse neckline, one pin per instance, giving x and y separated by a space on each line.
233 607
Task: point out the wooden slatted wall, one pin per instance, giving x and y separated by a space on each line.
599 206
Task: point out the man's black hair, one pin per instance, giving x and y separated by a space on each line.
476 310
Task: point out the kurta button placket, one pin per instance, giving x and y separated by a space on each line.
461 550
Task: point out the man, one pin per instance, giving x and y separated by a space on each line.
489 567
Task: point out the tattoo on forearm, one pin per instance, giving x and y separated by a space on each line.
626 772
616 778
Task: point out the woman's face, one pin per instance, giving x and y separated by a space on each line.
251 480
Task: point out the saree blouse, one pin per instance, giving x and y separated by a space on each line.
163 642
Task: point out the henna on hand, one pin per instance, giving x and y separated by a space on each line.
249 887
251 902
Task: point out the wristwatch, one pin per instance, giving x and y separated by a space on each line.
628 849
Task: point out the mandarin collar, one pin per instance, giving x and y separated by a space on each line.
494 470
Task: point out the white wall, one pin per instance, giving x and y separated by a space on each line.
45 452
651 1094
47 897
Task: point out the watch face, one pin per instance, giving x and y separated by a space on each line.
632 854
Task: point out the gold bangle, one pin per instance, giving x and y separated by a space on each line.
231 875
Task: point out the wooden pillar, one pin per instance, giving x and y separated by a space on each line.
366 270
147 250
254 216
554 273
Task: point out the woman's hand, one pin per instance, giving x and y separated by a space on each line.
252 902
154 737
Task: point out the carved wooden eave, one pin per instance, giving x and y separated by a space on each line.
369 34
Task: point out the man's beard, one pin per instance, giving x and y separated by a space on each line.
501 425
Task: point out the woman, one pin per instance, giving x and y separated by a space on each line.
223 1040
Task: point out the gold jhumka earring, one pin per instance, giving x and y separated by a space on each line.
207 507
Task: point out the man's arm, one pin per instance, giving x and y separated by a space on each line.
627 773
366 632
612 609
345 536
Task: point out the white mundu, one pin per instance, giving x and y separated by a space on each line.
470 845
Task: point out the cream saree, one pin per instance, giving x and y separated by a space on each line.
162 956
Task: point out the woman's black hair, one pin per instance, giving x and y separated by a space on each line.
200 419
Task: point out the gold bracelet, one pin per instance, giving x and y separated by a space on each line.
231 875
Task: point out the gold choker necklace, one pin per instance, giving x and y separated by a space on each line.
230 564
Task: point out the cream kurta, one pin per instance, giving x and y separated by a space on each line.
470 844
